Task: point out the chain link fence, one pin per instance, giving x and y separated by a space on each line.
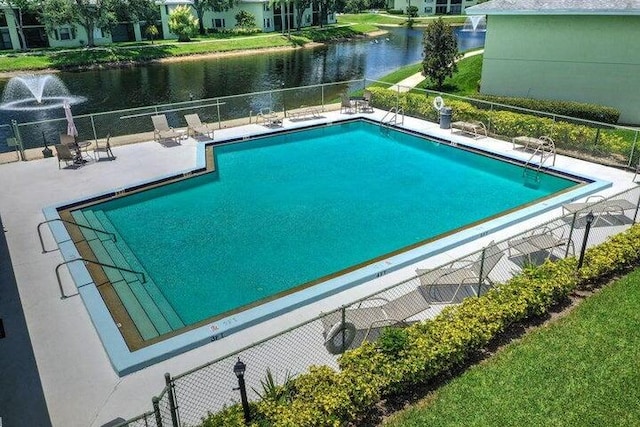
189 397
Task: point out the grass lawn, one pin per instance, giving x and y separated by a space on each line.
144 51
465 81
579 371
388 19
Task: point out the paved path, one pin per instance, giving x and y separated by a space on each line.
410 82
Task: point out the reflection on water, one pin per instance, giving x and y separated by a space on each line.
163 83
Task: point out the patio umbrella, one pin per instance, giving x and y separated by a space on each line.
71 126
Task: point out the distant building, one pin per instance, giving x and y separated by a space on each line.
573 50
268 19
433 7
63 36
268 16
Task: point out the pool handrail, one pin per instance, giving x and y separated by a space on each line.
90 261
44 251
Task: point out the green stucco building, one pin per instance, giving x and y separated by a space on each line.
578 50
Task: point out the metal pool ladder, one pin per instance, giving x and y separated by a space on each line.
545 151
393 112
113 235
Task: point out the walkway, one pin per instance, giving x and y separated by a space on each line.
410 82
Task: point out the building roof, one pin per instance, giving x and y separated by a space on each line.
556 7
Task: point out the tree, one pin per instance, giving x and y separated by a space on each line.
183 23
19 8
245 20
152 32
300 6
89 14
440 52
355 6
201 6
326 6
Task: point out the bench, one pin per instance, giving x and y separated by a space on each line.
477 129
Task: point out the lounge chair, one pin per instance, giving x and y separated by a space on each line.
461 279
346 104
103 148
475 128
599 206
269 118
196 127
64 154
370 314
162 130
541 240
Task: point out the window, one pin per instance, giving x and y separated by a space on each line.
267 22
65 33
428 10
97 33
5 39
266 7
218 23
3 18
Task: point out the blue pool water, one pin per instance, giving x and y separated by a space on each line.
289 210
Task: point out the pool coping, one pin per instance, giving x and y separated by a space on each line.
124 361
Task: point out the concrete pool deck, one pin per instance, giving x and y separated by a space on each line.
77 381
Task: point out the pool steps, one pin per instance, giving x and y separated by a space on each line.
148 308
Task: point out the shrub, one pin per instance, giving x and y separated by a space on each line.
593 112
509 124
395 12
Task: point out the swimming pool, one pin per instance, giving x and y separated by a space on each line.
287 216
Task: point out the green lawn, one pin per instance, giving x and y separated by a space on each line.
387 19
465 82
579 371
145 51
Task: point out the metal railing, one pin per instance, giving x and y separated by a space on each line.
210 387
38 228
143 277
133 125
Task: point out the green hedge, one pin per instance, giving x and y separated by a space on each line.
594 112
325 397
508 124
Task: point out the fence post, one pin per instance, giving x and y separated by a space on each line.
172 400
156 410
481 271
635 214
16 134
573 225
93 126
218 108
589 219
322 95
633 150
343 320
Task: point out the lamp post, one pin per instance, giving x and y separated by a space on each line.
589 218
239 368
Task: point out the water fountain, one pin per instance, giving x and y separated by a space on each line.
36 92
475 23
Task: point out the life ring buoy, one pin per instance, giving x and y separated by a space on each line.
334 341
438 103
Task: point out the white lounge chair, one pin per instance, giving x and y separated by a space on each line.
196 127
370 314
269 118
461 279
541 240
162 130
474 128
600 206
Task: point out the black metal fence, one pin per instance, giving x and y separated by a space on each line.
189 397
